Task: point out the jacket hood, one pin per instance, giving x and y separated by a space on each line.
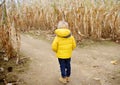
64 33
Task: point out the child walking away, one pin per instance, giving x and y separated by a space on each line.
63 45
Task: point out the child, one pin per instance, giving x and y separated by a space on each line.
63 45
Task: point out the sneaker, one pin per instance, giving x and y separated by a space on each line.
63 80
67 79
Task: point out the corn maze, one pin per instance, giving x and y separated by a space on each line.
94 19
9 35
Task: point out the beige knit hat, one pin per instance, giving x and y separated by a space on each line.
62 24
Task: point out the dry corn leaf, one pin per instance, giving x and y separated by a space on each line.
114 62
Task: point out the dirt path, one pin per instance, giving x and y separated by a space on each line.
90 65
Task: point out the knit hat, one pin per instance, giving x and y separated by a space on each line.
62 24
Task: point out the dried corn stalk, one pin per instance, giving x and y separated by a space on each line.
90 19
6 31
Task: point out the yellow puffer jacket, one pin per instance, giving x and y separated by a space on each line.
64 43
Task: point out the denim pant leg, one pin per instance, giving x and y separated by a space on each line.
68 67
62 67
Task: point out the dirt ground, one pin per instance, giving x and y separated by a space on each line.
91 65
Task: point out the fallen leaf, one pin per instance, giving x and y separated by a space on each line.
6 59
9 84
1 69
97 79
114 62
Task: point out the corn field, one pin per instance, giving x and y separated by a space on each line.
89 18
96 19
9 34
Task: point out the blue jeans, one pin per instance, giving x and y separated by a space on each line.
65 67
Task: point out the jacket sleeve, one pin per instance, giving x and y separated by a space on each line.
55 44
73 43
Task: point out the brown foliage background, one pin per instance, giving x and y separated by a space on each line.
88 19
96 19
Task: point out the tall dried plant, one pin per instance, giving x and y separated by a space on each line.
91 19
6 31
